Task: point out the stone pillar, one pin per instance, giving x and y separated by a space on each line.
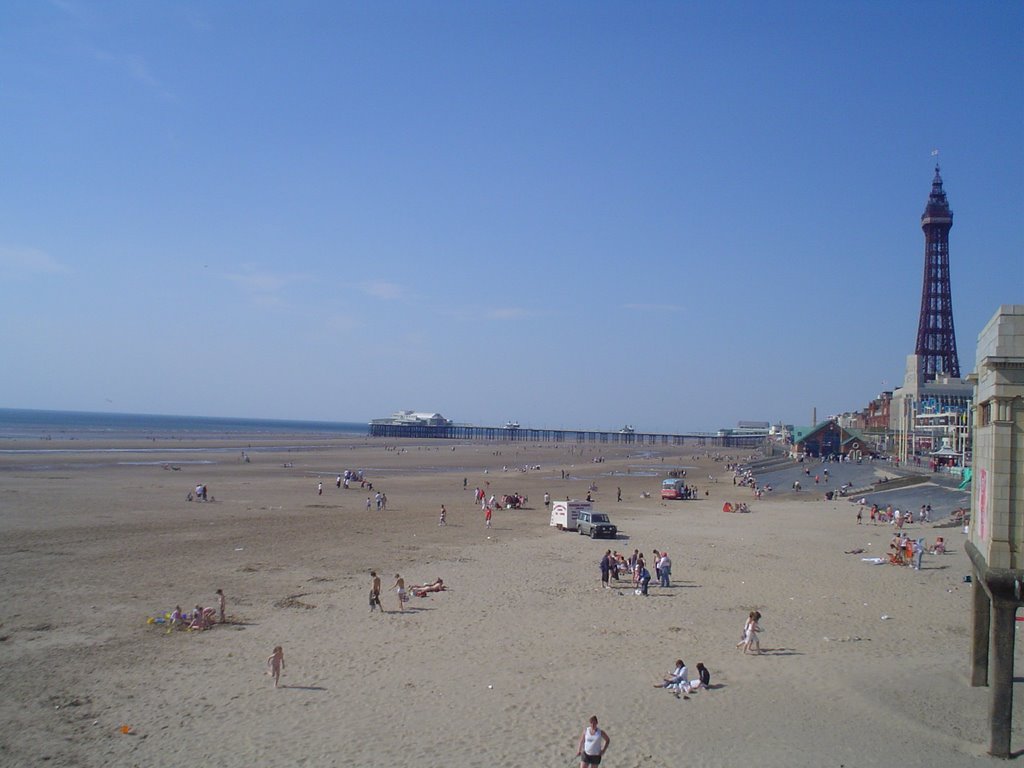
980 618
1004 615
996 543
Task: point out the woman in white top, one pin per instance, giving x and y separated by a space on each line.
750 630
593 744
678 676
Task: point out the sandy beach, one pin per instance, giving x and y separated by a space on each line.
503 668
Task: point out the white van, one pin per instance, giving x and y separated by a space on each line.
565 513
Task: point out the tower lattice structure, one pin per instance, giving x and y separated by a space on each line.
936 340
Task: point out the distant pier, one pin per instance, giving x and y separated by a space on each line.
528 435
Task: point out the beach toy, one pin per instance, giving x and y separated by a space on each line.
126 729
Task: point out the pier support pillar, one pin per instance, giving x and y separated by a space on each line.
1004 615
980 625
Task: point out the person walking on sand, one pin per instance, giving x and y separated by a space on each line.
319 489
750 630
276 663
222 605
443 519
399 587
375 593
487 517
593 744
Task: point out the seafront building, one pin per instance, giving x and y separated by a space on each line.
829 439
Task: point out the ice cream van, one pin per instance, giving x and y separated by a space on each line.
672 488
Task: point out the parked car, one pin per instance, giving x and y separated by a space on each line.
595 524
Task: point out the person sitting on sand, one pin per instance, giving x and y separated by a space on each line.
176 619
677 676
198 620
895 544
703 680
939 548
202 618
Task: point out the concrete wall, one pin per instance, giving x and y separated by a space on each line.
997 492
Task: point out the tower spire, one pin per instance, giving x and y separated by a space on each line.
936 339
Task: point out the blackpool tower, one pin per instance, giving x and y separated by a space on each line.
936 341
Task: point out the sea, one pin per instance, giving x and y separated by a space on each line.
16 423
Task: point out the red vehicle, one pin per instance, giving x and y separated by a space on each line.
672 488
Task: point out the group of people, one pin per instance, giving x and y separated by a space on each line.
615 564
199 493
513 501
345 479
905 550
678 680
401 591
894 516
200 618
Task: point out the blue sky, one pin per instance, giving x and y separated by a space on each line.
570 214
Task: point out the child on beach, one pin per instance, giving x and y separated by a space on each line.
399 587
276 663
198 618
222 604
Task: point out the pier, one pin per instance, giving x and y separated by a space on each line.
528 435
